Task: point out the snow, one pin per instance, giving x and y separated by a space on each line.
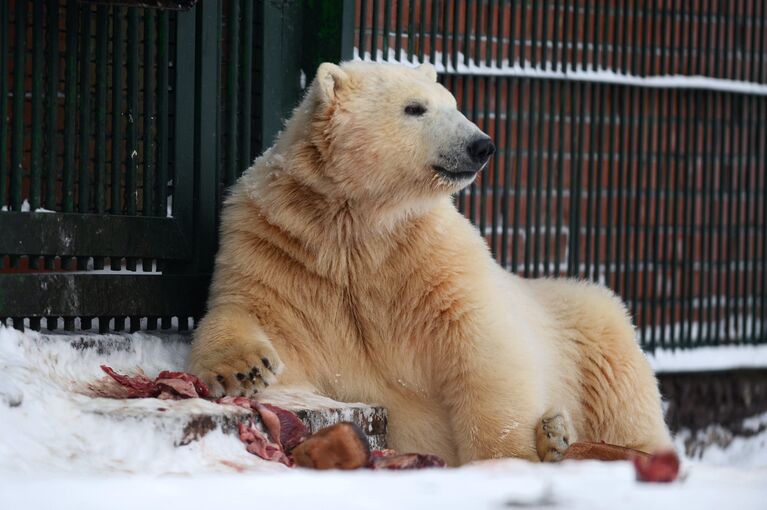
62 448
725 357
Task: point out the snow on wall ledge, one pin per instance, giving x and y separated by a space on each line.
570 73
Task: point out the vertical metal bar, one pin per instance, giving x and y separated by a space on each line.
715 240
635 58
52 106
433 35
19 78
482 182
621 213
118 13
652 175
631 238
422 34
642 206
83 196
534 35
756 230
374 33
4 171
592 191
560 168
161 190
507 173
611 220
132 112
587 19
231 87
386 29
184 108
500 156
246 81
489 33
538 170
37 107
721 216
676 207
555 40
550 175
70 104
745 210
148 97
523 34
693 210
531 235
363 28
706 236
398 32
512 25
532 175
411 29
207 137
657 300
546 36
443 36
761 162
575 189
102 43
733 231
455 33
467 35
624 60
524 83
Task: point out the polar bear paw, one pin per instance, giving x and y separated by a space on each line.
238 368
554 435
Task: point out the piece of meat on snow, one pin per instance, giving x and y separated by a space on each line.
282 425
258 444
167 385
192 386
388 459
662 466
134 386
292 430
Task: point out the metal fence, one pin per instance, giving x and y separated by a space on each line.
121 128
631 145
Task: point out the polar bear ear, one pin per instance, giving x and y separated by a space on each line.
429 71
330 79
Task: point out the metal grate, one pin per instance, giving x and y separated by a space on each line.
631 145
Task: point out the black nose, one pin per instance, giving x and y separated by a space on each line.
480 150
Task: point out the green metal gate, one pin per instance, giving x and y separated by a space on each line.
121 128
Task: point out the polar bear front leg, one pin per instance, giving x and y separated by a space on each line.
232 354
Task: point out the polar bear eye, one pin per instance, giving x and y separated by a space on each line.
415 109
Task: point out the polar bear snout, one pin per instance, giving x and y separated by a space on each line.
480 150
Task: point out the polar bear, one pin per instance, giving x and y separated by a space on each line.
344 267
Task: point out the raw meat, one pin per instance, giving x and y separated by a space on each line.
388 459
659 467
167 385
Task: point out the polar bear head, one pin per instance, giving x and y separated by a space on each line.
373 130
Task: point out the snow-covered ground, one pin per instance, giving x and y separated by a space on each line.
62 448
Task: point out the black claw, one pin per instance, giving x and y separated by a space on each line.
220 378
256 372
240 376
266 363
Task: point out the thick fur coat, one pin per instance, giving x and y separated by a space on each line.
345 268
